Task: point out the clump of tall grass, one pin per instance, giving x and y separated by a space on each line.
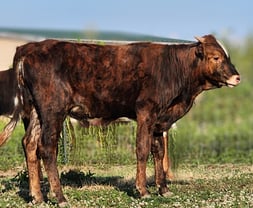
110 144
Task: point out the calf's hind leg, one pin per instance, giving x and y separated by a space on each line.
30 145
48 150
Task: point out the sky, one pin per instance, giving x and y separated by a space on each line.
181 19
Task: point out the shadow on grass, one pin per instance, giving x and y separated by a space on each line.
76 179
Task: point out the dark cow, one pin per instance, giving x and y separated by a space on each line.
155 84
8 97
8 90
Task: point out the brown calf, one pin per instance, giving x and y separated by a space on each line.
155 84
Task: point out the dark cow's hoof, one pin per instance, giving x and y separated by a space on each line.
170 176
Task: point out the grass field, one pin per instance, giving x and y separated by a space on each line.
113 186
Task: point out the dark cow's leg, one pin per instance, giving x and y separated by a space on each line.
48 150
30 145
143 147
157 150
166 158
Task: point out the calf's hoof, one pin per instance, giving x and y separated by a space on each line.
144 193
146 196
36 201
64 204
167 194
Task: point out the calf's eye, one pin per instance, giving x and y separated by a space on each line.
216 58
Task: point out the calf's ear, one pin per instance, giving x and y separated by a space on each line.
200 49
200 39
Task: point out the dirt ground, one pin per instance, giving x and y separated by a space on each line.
7 51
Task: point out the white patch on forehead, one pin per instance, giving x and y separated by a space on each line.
223 47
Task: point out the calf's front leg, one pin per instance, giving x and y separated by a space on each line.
143 147
157 150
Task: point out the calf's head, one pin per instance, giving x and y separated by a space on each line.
217 68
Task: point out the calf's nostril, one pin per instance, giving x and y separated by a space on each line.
238 79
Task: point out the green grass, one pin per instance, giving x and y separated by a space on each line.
194 186
12 152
